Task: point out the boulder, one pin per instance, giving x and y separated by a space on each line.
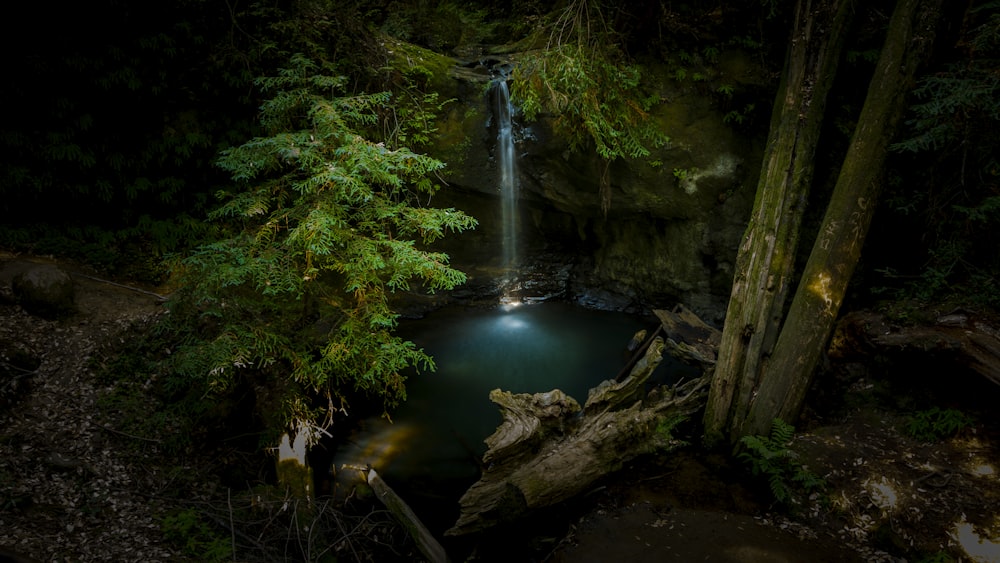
45 290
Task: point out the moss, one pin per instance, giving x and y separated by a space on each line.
296 478
430 68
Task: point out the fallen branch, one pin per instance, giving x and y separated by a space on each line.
546 451
123 286
429 546
126 434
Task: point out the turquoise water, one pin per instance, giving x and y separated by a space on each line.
436 438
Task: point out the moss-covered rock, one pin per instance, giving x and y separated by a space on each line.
675 219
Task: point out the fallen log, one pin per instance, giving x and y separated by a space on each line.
426 542
958 337
689 339
548 449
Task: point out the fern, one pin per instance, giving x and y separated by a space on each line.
935 424
771 458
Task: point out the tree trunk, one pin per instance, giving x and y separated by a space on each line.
767 254
820 292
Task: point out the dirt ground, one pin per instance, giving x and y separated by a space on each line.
67 493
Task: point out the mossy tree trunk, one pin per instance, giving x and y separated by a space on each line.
813 312
767 358
767 253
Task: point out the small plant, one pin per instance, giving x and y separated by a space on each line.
936 424
197 539
772 458
726 90
939 557
664 431
737 116
684 173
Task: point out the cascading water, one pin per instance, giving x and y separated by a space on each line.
508 186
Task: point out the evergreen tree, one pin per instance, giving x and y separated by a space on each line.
326 225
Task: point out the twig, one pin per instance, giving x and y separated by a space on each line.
946 476
126 434
24 372
12 381
655 477
232 528
123 286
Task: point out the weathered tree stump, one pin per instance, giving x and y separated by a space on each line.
548 449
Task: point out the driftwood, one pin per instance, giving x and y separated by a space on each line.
958 337
429 546
688 337
548 449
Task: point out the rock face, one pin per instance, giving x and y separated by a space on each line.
44 290
675 219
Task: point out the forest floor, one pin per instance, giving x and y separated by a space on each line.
72 490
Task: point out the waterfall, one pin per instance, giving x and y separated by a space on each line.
508 188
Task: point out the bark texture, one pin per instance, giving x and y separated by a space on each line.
813 312
548 449
766 255
425 541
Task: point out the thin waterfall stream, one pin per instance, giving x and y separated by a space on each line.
431 448
507 187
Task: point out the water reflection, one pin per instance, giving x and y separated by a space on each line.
527 349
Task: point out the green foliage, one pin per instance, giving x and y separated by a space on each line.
594 97
71 138
664 433
938 557
413 75
442 25
869 56
711 54
326 226
196 537
739 116
683 174
772 458
591 100
936 424
952 131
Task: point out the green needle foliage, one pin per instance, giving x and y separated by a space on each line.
581 78
326 225
953 134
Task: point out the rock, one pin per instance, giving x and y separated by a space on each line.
45 290
676 217
17 364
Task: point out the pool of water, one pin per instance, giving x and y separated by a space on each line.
432 446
